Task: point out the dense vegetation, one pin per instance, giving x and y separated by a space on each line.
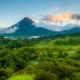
40 59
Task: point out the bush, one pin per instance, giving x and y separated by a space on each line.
5 73
46 76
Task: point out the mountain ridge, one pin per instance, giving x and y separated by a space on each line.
26 28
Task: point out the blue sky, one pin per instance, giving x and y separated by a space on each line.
12 11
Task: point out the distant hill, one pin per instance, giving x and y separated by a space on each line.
73 30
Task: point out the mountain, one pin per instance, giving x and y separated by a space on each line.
26 28
71 31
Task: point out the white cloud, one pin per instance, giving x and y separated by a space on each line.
8 30
11 30
57 24
56 8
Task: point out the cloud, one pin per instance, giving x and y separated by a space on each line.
76 16
60 17
59 22
8 30
56 8
11 30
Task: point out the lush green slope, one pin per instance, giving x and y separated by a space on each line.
21 77
46 59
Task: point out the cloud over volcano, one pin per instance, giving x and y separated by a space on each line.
60 21
62 17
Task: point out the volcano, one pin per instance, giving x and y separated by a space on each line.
26 28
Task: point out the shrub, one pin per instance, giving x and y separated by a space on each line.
5 73
46 76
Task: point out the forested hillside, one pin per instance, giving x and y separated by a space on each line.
40 59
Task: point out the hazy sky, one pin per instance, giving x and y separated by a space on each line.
12 11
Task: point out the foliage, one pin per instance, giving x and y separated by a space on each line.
45 58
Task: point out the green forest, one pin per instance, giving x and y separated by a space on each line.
40 59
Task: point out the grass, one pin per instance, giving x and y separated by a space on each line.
21 77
